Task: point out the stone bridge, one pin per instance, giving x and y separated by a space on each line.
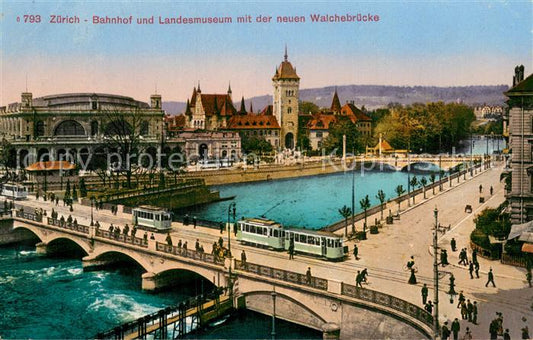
324 304
422 162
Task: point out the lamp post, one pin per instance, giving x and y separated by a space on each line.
92 204
273 332
471 154
353 191
231 212
435 278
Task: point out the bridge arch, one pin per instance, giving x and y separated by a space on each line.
302 314
179 275
67 244
105 253
422 166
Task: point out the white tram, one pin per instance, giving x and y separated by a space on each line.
152 218
14 191
268 233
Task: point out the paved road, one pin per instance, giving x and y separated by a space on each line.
386 254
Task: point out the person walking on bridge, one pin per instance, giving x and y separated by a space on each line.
358 279
308 275
490 279
480 188
491 190
456 327
424 294
453 244
243 257
355 251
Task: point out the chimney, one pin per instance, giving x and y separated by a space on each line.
27 99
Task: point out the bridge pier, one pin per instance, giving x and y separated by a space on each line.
331 330
41 248
149 282
90 263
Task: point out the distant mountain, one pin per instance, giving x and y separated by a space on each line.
375 96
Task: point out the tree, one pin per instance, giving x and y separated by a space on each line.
365 204
345 213
67 190
381 197
123 139
8 155
83 187
423 183
74 193
343 127
414 183
399 191
432 178
308 107
255 144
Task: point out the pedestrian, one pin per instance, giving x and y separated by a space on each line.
429 307
411 263
152 237
445 332
197 245
461 299
506 335
179 243
480 188
456 327
493 329
145 237
194 221
169 239
476 269
308 275
491 190
444 257
221 226
355 252
525 332
243 257
364 274
464 311
412 278
185 245
291 249
474 255
358 279
424 294
469 310
471 270
528 277
490 278
468 334
235 229
474 313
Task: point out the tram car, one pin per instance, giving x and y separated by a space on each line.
270 234
14 191
152 218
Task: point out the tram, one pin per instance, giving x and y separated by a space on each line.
14 191
270 234
152 218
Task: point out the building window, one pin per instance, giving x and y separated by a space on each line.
144 128
69 128
319 135
39 129
289 110
94 128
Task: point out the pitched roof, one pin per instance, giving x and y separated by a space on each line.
354 113
321 121
174 123
242 110
523 87
51 166
285 71
384 146
336 103
253 121
214 104
267 111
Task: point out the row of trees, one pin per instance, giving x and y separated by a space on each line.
428 127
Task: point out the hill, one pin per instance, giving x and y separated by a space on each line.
374 96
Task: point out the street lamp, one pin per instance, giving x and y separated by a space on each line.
435 277
231 212
92 204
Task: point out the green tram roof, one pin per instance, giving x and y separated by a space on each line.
150 208
271 223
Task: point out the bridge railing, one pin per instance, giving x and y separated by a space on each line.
141 242
387 301
283 275
189 253
67 225
29 216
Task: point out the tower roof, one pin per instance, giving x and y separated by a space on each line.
285 69
336 103
242 110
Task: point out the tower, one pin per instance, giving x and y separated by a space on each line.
285 106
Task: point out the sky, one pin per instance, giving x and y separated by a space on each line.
433 43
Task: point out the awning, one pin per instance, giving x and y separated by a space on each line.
527 248
519 229
51 166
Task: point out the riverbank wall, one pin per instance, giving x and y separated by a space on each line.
9 236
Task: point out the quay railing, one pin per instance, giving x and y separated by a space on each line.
189 253
158 322
283 275
386 300
62 223
28 216
141 242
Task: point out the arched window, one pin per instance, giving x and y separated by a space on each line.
39 129
69 128
94 128
289 110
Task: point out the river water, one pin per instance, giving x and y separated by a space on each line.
43 297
